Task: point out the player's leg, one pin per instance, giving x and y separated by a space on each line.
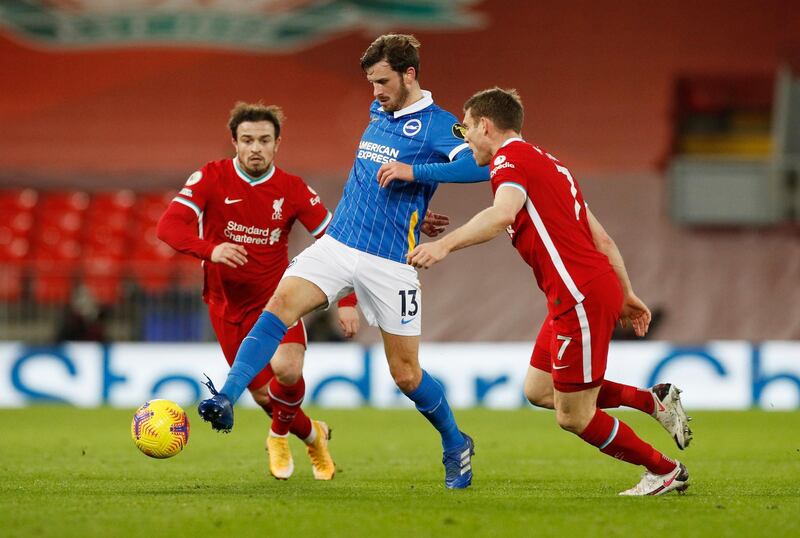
539 381
389 296
287 387
315 278
662 402
230 336
429 397
286 399
539 388
580 348
294 298
577 412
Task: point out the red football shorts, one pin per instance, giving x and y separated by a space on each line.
573 346
230 336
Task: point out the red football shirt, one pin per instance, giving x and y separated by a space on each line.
551 232
257 213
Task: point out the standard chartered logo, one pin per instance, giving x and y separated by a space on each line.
251 235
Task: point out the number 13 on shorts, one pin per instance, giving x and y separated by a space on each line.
408 303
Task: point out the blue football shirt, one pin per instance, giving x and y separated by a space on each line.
386 221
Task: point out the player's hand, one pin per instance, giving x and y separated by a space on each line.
635 312
230 254
349 321
433 224
388 172
427 254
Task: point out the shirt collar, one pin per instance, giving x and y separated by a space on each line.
425 102
510 140
250 179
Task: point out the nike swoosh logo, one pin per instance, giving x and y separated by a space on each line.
661 407
406 321
560 367
670 481
229 201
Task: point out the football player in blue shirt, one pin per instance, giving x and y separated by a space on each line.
376 224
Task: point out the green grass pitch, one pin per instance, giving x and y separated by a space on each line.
75 472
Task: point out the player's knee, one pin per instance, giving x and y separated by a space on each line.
279 304
571 422
261 396
407 379
288 372
539 398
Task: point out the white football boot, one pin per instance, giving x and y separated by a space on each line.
668 411
654 484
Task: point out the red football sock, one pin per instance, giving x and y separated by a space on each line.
301 425
267 407
613 395
615 438
286 400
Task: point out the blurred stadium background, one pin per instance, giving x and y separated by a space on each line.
680 119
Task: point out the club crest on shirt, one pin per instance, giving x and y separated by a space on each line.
194 179
459 131
412 127
277 209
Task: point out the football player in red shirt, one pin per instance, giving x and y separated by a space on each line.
580 270
245 208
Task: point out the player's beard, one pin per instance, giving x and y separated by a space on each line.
396 104
256 168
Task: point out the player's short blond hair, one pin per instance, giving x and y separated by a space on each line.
243 112
503 107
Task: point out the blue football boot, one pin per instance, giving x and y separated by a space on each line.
458 465
218 410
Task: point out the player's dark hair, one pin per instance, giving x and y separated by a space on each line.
243 112
400 51
503 107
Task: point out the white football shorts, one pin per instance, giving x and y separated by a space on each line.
388 291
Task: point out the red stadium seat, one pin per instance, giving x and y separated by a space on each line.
18 199
11 276
59 221
102 275
76 201
52 280
152 264
20 221
123 200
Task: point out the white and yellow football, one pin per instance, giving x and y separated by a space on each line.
160 429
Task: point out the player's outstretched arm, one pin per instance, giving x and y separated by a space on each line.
482 227
461 170
634 310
